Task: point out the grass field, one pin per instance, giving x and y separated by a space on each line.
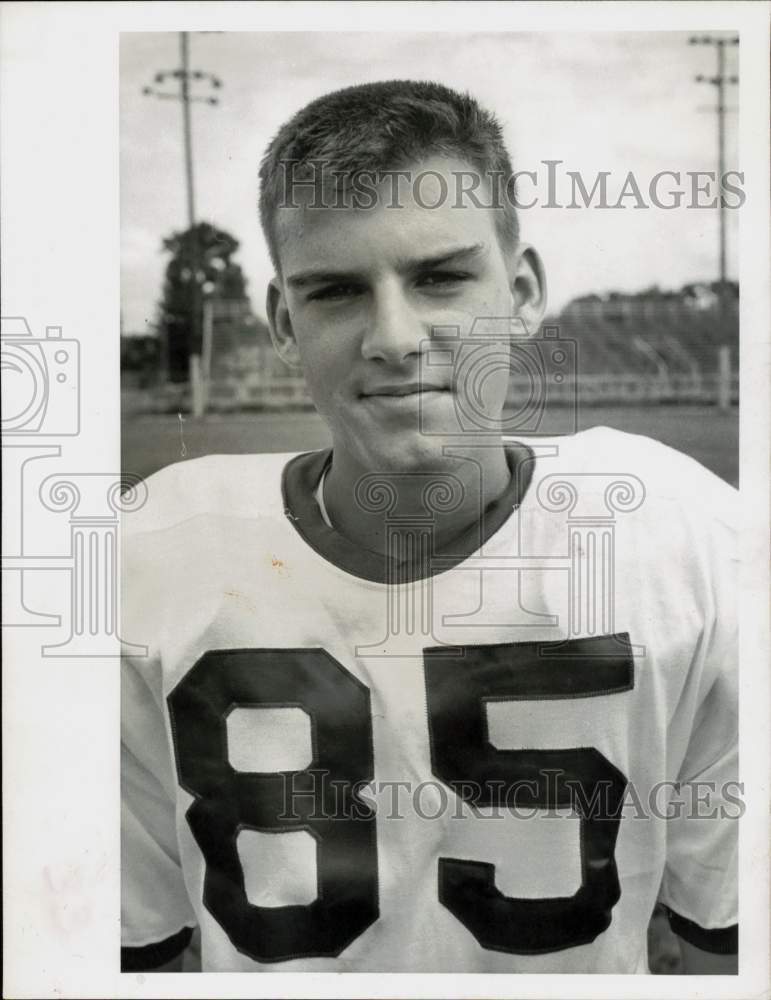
712 437
152 441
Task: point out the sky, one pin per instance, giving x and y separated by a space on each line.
616 102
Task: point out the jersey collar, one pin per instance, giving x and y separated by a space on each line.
301 477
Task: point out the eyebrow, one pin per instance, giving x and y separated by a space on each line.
451 255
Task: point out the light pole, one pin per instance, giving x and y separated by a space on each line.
184 95
719 80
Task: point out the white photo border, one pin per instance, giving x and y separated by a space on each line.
60 236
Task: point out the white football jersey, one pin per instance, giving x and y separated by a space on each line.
330 766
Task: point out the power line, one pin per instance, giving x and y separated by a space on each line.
719 80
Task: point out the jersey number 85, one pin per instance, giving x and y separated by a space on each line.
458 684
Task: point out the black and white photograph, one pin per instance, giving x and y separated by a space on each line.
388 499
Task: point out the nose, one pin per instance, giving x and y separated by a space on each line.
394 331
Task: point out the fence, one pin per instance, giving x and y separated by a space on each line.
260 391
625 352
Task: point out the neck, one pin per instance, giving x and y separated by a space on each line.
373 509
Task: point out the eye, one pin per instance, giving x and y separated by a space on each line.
331 293
443 279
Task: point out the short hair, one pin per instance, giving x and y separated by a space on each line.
375 127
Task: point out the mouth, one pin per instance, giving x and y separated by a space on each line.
404 390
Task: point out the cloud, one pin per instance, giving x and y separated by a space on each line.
598 101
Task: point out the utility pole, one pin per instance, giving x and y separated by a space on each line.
184 51
719 80
186 77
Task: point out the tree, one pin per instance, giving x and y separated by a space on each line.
200 266
139 359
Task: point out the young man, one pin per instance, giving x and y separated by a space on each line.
432 700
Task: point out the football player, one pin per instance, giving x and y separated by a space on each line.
438 698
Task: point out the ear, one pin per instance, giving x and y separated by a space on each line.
527 280
280 326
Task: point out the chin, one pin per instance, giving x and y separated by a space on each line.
408 453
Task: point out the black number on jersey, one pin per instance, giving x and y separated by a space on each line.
228 801
457 686
583 779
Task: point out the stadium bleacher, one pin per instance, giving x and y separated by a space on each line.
628 349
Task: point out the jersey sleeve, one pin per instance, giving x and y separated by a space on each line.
699 888
156 913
